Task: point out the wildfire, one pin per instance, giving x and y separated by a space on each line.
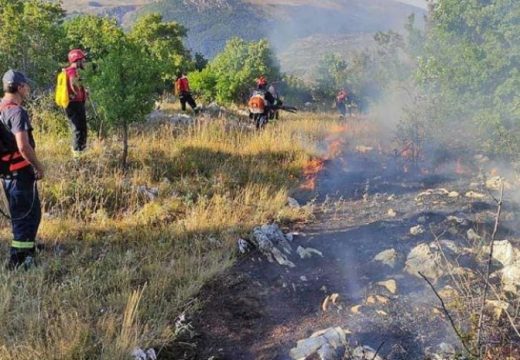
311 171
339 129
334 149
335 145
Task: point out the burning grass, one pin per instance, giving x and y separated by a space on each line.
126 252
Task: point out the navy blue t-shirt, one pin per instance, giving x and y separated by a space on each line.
16 119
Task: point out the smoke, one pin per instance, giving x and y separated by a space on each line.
322 21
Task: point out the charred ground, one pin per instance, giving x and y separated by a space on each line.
365 204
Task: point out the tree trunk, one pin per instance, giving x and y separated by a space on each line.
124 157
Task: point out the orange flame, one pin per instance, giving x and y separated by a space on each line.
314 166
311 171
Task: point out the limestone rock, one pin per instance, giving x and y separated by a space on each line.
324 343
475 195
269 238
391 213
511 275
503 252
390 285
327 352
363 353
494 183
417 230
453 194
387 257
307 252
425 260
293 203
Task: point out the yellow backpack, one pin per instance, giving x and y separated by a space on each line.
62 92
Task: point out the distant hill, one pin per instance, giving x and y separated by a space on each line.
316 25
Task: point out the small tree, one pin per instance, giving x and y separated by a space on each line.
123 85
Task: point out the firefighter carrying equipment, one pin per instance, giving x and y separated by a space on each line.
11 160
62 92
257 103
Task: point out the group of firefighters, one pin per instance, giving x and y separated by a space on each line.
17 146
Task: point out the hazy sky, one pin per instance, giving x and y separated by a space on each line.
418 3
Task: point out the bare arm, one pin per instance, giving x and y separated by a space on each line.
28 153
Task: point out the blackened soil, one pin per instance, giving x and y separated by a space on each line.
259 310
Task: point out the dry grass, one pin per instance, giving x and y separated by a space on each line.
119 267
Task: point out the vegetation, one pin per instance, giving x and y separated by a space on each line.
231 74
30 37
159 231
470 70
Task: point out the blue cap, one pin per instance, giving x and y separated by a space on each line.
15 77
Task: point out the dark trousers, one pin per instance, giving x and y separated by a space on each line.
342 108
185 97
24 206
78 122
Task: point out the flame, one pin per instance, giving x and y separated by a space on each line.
494 172
339 129
311 171
334 149
314 166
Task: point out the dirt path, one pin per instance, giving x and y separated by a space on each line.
259 310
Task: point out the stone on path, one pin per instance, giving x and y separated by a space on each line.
307 252
417 230
426 260
324 343
390 285
387 257
503 252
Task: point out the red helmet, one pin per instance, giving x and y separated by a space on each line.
261 81
76 55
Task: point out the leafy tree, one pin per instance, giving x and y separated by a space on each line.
30 37
164 42
471 67
235 69
123 86
97 35
204 83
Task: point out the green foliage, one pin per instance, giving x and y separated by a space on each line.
204 83
123 86
97 35
162 41
30 37
231 74
471 64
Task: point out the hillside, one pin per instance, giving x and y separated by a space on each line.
212 22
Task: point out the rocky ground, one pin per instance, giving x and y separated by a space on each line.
347 285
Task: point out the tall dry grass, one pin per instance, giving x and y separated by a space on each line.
120 264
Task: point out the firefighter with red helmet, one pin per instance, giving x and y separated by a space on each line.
261 103
76 112
182 90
